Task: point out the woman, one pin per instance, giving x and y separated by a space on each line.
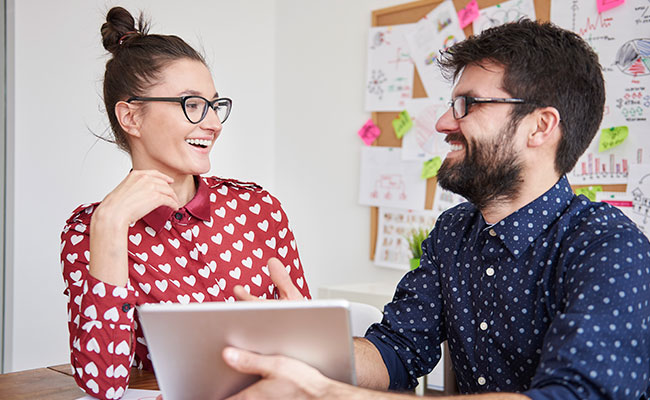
164 234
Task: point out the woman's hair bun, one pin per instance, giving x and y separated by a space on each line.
119 27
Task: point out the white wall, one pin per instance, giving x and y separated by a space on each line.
58 164
320 76
295 70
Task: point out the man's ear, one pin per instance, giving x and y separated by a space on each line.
127 116
546 127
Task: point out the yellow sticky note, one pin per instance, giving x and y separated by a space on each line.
402 124
430 168
590 191
612 137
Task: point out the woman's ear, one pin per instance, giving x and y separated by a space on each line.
127 116
547 128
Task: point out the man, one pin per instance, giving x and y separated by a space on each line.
540 294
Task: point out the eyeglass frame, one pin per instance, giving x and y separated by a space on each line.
182 99
469 100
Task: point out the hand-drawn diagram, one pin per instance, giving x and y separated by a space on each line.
633 57
620 38
423 141
639 188
508 11
390 69
436 32
389 187
386 180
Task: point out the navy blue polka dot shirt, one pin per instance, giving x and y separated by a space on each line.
553 301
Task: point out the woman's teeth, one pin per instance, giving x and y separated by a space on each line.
199 142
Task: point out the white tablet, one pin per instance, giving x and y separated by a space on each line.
185 341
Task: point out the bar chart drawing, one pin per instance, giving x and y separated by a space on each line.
598 167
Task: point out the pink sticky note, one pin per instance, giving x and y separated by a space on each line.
468 14
369 132
604 5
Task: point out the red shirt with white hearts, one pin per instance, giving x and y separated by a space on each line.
223 237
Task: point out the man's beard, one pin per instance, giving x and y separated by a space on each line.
490 171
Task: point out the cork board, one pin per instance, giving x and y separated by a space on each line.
413 12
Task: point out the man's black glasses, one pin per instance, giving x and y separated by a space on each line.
460 105
195 107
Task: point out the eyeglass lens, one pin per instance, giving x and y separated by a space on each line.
459 107
196 108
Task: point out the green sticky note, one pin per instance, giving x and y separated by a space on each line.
402 124
612 137
590 191
430 168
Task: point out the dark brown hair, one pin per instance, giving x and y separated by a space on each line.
547 66
138 59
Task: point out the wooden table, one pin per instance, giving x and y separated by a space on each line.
57 383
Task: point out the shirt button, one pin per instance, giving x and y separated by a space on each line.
178 216
492 232
481 380
126 307
489 271
483 326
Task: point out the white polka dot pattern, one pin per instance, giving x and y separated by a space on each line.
552 301
188 259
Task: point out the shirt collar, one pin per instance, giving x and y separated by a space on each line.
198 207
521 228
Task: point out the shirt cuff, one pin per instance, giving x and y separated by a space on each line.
551 392
107 303
399 378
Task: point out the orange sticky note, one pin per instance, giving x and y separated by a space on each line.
468 14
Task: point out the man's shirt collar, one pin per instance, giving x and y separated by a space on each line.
521 228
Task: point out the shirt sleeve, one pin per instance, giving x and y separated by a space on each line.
287 250
598 346
409 336
100 320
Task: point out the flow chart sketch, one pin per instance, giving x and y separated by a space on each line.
508 11
638 187
434 33
423 141
387 181
393 227
390 69
621 38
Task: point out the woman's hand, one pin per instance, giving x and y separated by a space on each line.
137 195
281 280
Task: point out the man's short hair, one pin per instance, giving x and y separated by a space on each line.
547 66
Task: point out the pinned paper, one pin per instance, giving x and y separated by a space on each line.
612 137
590 191
468 14
604 5
369 132
402 124
430 168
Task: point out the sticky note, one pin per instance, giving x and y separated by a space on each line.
430 168
612 137
604 5
590 191
369 132
402 124
468 14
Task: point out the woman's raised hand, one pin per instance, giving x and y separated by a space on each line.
281 279
141 192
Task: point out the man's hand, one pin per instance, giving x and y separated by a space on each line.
282 377
281 280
